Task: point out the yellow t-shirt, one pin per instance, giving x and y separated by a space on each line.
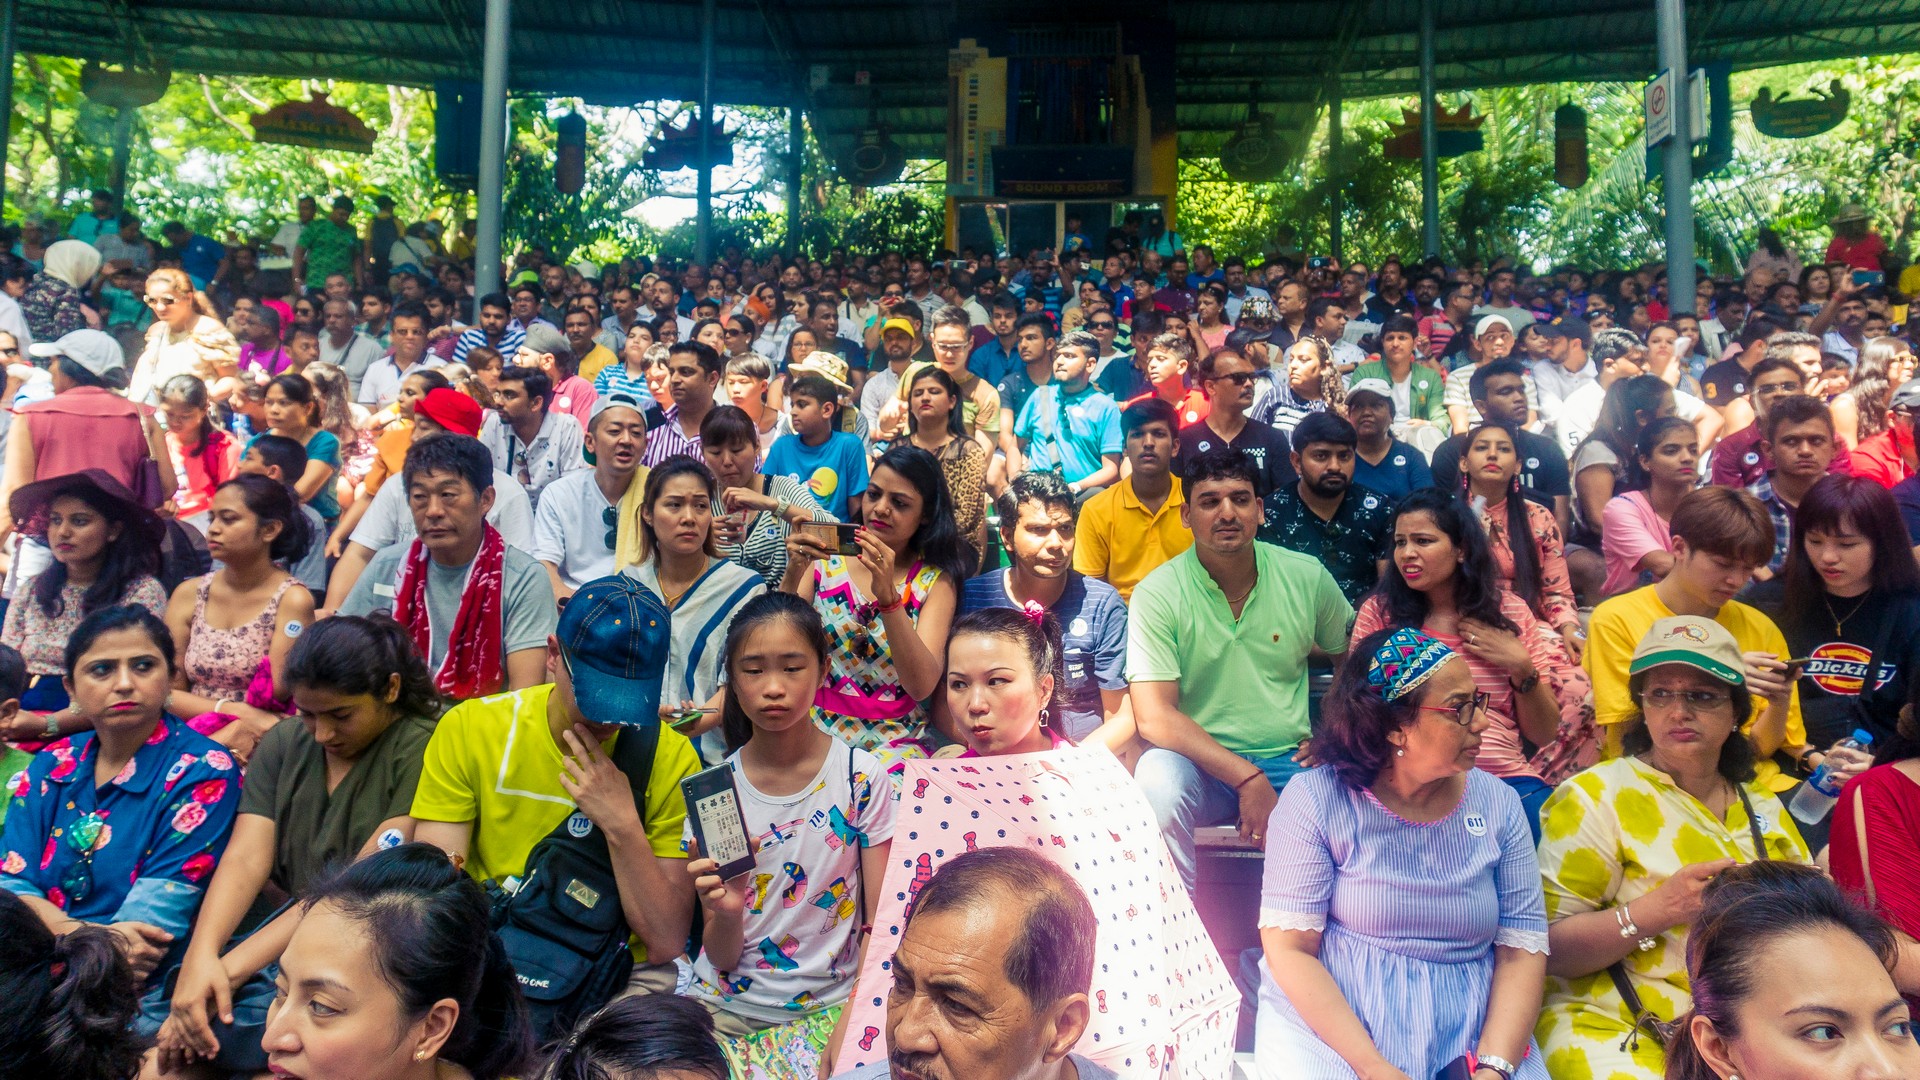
1617 627
1120 542
492 761
592 363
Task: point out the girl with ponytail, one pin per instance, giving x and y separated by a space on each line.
395 973
71 1000
1006 681
1523 535
1790 980
326 786
788 769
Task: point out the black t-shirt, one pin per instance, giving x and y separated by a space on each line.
1722 382
1835 696
1543 468
1264 443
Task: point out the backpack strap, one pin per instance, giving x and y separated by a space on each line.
633 754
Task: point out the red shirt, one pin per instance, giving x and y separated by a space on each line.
1191 410
1738 460
1861 254
1888 813
1882 459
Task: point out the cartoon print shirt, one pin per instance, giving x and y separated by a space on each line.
802 948
138 848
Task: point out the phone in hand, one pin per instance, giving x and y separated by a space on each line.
838 536
1460 1068
1868 277
720 826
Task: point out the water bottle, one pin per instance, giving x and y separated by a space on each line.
1816 797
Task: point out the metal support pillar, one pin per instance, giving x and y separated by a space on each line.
9 17
1429 137
1670 26
703 236
796 164
1336 170
492 185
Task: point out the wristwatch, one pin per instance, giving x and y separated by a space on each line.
1526 685
781 505
1495 1062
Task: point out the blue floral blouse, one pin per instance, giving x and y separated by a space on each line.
138 848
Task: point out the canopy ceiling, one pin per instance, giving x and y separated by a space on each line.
842 59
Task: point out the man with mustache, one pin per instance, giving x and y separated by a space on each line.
991 978
1325 515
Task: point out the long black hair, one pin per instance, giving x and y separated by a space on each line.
1521 543
188 390
71 1000
1745 908
1639 477
1831 504
672 468
643 1036
270 501
1618 426
126 558
354 654
1476 584
736 727
429 926
937 541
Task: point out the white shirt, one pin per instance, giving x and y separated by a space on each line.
389 519
287 237
977 314
855 318
14 322
881 387
1555 383
353 358
380 383
1581 410
570 531
559 448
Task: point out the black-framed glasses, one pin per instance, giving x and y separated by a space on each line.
1237 378
1690 701
610 517
1464 713
1103 326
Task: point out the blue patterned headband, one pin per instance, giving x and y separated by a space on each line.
1403 661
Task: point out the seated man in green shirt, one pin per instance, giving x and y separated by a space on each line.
502 772
1217 644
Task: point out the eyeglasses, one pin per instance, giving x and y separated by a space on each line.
82 836
1102 326
1237 378
162 301
1464 713
610 517
1690 701
895 295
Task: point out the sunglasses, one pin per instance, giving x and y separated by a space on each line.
610 517
1237 378
1103 326
82 835
895 295
162 301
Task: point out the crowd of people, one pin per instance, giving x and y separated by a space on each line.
1504 612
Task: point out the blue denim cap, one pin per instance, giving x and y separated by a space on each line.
615 634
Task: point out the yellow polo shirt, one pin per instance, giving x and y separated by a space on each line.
1120 541
592 363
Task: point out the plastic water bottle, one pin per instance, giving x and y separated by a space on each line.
1816 797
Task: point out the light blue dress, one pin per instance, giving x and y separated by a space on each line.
1409 915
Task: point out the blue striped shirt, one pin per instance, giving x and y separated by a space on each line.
474 338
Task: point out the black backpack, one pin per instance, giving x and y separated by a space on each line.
564 929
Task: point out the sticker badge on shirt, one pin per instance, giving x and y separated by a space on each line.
579 825
1475 823
391 839
1752 458
1399 460
381 589
1370 502
1079 627
295 628
1533 463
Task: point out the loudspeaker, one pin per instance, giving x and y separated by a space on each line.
456 132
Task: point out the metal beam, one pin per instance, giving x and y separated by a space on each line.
9 19
1677 168
703 227
493 147
1429 137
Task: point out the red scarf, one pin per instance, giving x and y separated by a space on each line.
474 665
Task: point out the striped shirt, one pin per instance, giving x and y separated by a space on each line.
474 337
667 440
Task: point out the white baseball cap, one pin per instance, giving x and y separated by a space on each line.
98 352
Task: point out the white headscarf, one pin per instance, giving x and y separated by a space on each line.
73 261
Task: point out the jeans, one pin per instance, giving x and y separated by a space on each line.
1185 797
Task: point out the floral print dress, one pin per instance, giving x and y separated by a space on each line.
863 703
138 848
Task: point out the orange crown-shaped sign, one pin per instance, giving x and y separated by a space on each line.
1444 119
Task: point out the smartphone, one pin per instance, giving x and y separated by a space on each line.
836 535
1461 1068
713 806
1868 277
1319 262
1797 666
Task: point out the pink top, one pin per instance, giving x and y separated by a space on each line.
87 427
1556 604
200 473
1630 529
1502 753
1882 807
574 396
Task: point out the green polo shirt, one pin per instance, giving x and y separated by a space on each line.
1243 681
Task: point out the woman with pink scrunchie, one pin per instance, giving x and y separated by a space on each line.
1005 680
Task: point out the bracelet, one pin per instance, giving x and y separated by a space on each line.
898 603
53 726
220 705
1630 930
1250 779
1495 1062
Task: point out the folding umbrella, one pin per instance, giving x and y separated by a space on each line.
1163 1005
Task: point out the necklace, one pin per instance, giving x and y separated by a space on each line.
673 598
1838 619
1236 601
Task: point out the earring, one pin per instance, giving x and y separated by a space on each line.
1044 714
419 1055
1401 752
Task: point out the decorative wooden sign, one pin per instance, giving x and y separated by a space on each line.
317 123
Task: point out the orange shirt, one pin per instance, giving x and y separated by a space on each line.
389 454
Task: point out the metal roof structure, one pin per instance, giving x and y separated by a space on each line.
847 60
